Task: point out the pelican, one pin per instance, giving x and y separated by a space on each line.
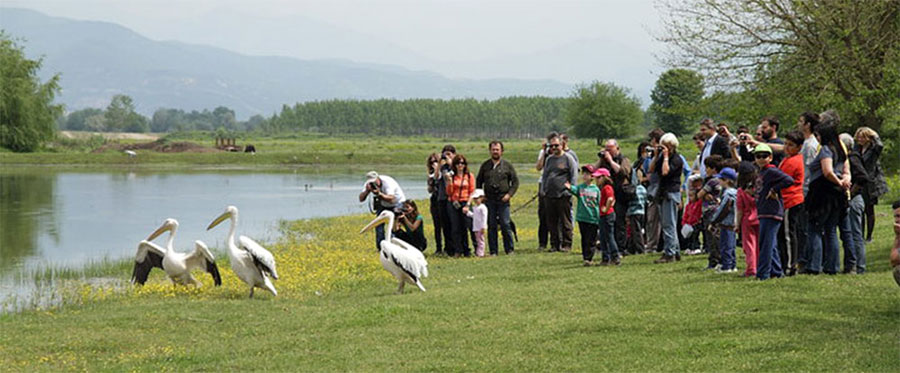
252 263
131 153
177 265
401 259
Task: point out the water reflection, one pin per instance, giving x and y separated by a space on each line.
27 212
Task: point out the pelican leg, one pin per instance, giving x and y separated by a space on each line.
400 288
251 292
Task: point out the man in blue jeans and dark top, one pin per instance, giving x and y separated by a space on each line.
770 210
498 179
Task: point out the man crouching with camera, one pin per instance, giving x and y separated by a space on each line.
386 194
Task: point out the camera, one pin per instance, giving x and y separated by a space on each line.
601 154
648 149
744 137
373 186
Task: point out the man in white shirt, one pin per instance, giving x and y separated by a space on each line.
387 194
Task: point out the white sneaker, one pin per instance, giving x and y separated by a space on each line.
720 270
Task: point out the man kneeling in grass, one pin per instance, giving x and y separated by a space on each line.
895 252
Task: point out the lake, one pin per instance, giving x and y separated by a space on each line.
52 217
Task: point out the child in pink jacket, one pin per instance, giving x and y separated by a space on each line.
746 217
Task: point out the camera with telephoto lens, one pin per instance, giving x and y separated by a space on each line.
373 186
601 154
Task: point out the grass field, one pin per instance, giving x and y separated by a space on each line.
337 311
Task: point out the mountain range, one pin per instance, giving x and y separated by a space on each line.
97 60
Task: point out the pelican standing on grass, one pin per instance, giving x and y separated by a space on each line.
177 265
401 259
252 263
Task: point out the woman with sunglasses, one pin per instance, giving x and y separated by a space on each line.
460 185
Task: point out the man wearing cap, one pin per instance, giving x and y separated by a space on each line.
498 179
558 169
387 194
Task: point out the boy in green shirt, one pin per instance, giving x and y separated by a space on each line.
588 213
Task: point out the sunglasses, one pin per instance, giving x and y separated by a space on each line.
461 164
554 145
762 155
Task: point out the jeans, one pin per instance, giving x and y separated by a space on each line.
667 219
855 253
498 213
588 239
823 245
444 208
607 238
726 247
651 229
769 264
620 208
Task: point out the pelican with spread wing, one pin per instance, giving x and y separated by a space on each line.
177 265
252 263
401 259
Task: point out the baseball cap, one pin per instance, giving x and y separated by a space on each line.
600 172
762 148
727 173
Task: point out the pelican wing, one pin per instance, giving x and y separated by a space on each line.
262 258
203 258
148 255
407 257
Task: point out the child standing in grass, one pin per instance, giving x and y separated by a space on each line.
770 210
607 219
691 219
635 216
709 194
588 213
747 221
723 219
479 215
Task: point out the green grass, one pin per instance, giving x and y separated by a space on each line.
527 312
298 151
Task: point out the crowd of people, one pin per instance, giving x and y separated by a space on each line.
789 202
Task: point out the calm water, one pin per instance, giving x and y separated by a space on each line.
55 218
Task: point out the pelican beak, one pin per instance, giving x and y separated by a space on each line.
162 229
219 220
380 219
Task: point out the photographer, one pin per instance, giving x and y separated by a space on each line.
740 146
498 179
668 166
768 129
440 210
612 159
414 232
387 196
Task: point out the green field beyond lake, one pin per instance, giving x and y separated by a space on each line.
337 309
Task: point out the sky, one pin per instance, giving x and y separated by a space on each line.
532 39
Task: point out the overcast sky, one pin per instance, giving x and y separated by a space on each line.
436 34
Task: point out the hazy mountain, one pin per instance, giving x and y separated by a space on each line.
100 59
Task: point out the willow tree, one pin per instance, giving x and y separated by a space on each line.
27 113
827 53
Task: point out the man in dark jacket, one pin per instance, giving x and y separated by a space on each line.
619 166
499 180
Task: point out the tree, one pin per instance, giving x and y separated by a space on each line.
821 53
77 120
120 116
27 113
603 110
676 100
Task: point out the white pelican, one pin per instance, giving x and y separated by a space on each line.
131 153
401 259
177 265
252 263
